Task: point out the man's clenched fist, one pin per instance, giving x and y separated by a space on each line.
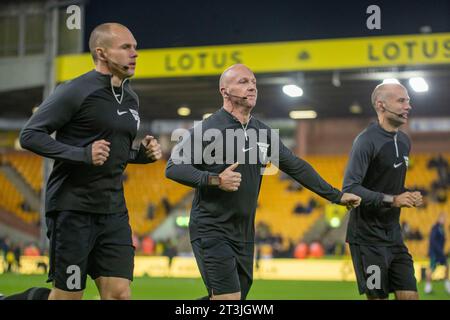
152 147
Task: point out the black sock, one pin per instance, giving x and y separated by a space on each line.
34 293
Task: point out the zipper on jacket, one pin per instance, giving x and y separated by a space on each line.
396 147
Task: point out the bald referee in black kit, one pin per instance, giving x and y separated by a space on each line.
96 119
376 172
222 230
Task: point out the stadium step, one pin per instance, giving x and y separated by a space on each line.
31 197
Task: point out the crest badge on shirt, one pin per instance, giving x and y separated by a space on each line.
406 161
136 117
263 147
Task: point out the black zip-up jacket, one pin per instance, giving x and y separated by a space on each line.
82 111
231 215
377 166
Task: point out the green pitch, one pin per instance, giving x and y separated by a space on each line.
190 289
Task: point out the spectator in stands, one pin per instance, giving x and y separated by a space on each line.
290 250
436 253
17 255
25 206
166 205
329 245
300 208
4 246
150 211
262 232
339 248
440 185
409 233
10 260
416 235
277 246
441 195
441 165
257 255
170 250
294 186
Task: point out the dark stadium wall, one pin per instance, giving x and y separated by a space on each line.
335 136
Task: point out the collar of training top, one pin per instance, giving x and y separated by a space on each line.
105 78
385 132
230 116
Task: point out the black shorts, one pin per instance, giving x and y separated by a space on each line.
92 244
226 266
382 270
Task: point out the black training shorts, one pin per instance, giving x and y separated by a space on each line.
226 266
382 270
92 244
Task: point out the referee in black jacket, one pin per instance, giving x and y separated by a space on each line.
227 179
96 119
376 172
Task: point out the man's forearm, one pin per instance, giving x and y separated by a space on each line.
43 144
307 176
369 198
187 174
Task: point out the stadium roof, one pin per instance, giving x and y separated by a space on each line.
335 82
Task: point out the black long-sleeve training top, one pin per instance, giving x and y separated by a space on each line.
377 166
231 215
81 111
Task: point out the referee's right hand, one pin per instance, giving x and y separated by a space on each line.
230 180
407 199
100 152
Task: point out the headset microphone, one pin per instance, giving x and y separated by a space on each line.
232 95
397 114
120 66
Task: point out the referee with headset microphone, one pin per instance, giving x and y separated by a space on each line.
96 119
376 172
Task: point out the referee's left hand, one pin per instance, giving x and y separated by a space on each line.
350 200
152 147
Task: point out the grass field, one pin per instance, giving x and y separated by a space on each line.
190 289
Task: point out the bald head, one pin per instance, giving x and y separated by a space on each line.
102 36
231 72
383 91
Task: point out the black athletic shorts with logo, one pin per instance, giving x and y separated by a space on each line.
226 266
92 244
396 269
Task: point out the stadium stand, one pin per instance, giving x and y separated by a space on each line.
150 195
28 165
12 201
277 203
144 185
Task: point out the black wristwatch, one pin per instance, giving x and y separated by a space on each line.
388 200
213 180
